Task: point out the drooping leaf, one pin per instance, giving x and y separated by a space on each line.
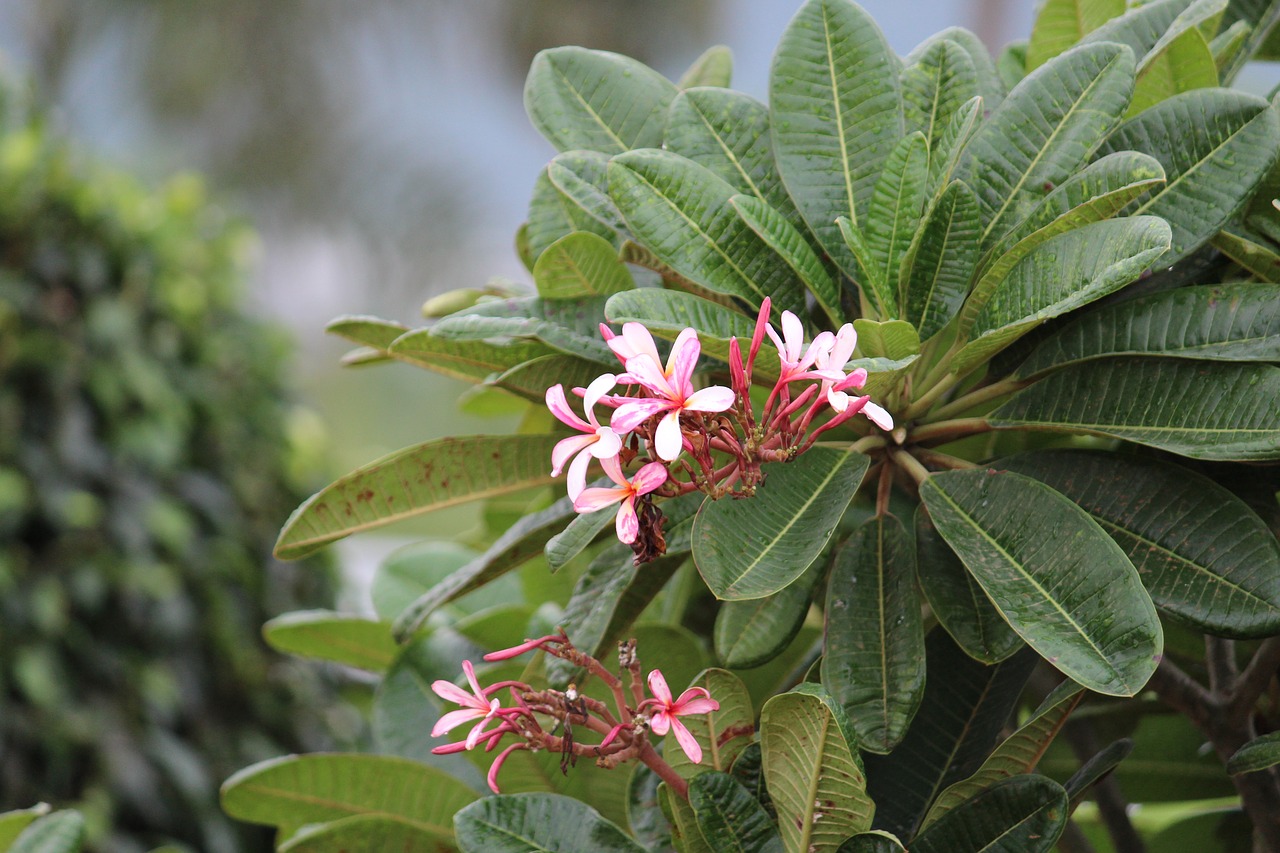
723 733
965 706
367 331
1215 146
1065 587
781 236
837 113
582 178
1062 274
873 654
553 214
473 361
681 212
1044 131
1017 754
1060 24
754 631
728 813
300 789
1025 814
749 771
60 832
427 476
595 100
713 68
1202 553
750 549
370 833
579 265
1258 754
936 84
1230 322
1201 409
963 609
340 637
568 325
942 260
811 766
537 823
1183 64
644 813
897 203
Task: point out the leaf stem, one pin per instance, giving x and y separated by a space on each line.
941 460
973 399
911 465
922 404
944 431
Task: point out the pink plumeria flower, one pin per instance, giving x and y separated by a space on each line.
598 441
834 361
646 480
797 361
636 340
672 391
475 706
666 712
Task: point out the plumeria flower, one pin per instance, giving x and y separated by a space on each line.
598 441
646 480
833 362
475 705
636 340
672 391
666 712
797 361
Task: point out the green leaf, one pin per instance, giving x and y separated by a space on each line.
1205 410
60 832
668 312
472 361
569 325
523 541
339 637
1065 587
1062 274
893 339
531 380
897 203
553 214
871 288
1025 814
944 156
713 68
362 834
837 113
962 608
942 260
681 211
1258 754
728 813
1017 754
582 178
580 264
1044 131
1060 24
300 789
580 532
427 476
936 83
964 709
1215 145
684 822
367 331
1095 769
648 824
780 235
1250 252
875 841
1202 553
754 631
990 88
595 100
1263 41
12 823
537 823
812 769
1011 64
1141 27
722 734
1183 64
753 548
873 654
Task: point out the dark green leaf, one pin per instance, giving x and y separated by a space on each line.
897 202
1095 769
537 823
1258 754
582 178
1025 814
685 833
990 88
1252 252
644 814
668 312
754 631
781 236
473 361
553 214
580 532
942 260
531 380
936 83
729 816
579 265
945 155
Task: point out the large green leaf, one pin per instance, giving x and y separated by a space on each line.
569 325
1017 754
964 709
1185 63
1141 27
936 83
942 260
685 832
666 313
300 789
1025 814
362 834
727 813
1064 585
837 113
681 212
582 178
812 769
1205 410
1228 322
1258 754
722 733
1251 251
538 823
553 214
1060 24
595 100
944 156
427 476
754 631
991 90
962 608
531 380
897 203
781 236
753 548
323 634
873 654
473 361
713 68
1041 134
1201 552
578 265
1215 146
1062 274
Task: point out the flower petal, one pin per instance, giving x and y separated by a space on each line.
793 334
598 388
683 358
453 719
649 477
627 524
577 479
716 398
470 672
687 741
566 447
607 443
695 706
660 722
450 692
559 407
658 687
667 439
492 777
878 416
639 342
777 342
632 413
590 500
650 375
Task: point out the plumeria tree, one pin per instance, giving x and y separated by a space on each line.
912 419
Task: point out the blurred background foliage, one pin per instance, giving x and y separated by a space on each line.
145 465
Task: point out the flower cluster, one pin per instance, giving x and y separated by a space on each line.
710 439
623 736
